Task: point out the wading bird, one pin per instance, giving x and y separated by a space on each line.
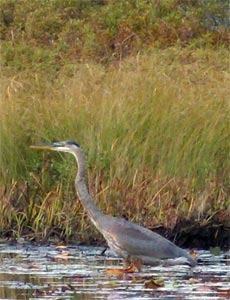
135 244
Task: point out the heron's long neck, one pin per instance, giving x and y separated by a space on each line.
82 191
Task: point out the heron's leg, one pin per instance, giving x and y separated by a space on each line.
131 264
126 263
136 263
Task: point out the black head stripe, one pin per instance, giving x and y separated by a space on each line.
72 143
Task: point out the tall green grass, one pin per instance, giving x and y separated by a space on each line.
154 130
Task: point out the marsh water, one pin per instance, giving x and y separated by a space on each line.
49 272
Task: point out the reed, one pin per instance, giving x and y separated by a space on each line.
154 129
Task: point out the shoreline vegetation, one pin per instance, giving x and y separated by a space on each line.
143 87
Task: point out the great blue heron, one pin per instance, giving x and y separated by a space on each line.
135 244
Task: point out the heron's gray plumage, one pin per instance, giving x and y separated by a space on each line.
128 240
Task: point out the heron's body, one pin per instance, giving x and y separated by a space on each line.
132 242
135 243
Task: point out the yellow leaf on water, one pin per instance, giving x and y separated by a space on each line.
154 283
118 272
113 272
193 280
60 247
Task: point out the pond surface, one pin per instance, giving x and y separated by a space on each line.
73 272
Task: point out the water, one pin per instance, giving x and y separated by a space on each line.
39 272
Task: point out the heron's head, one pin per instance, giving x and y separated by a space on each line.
64 146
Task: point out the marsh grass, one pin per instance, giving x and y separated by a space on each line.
154 129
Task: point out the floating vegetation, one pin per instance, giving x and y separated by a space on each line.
39 271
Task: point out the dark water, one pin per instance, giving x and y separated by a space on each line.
38 272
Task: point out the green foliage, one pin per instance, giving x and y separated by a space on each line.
73 30
25 57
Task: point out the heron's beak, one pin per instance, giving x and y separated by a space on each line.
48 146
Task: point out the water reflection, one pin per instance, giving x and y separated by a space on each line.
38 272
